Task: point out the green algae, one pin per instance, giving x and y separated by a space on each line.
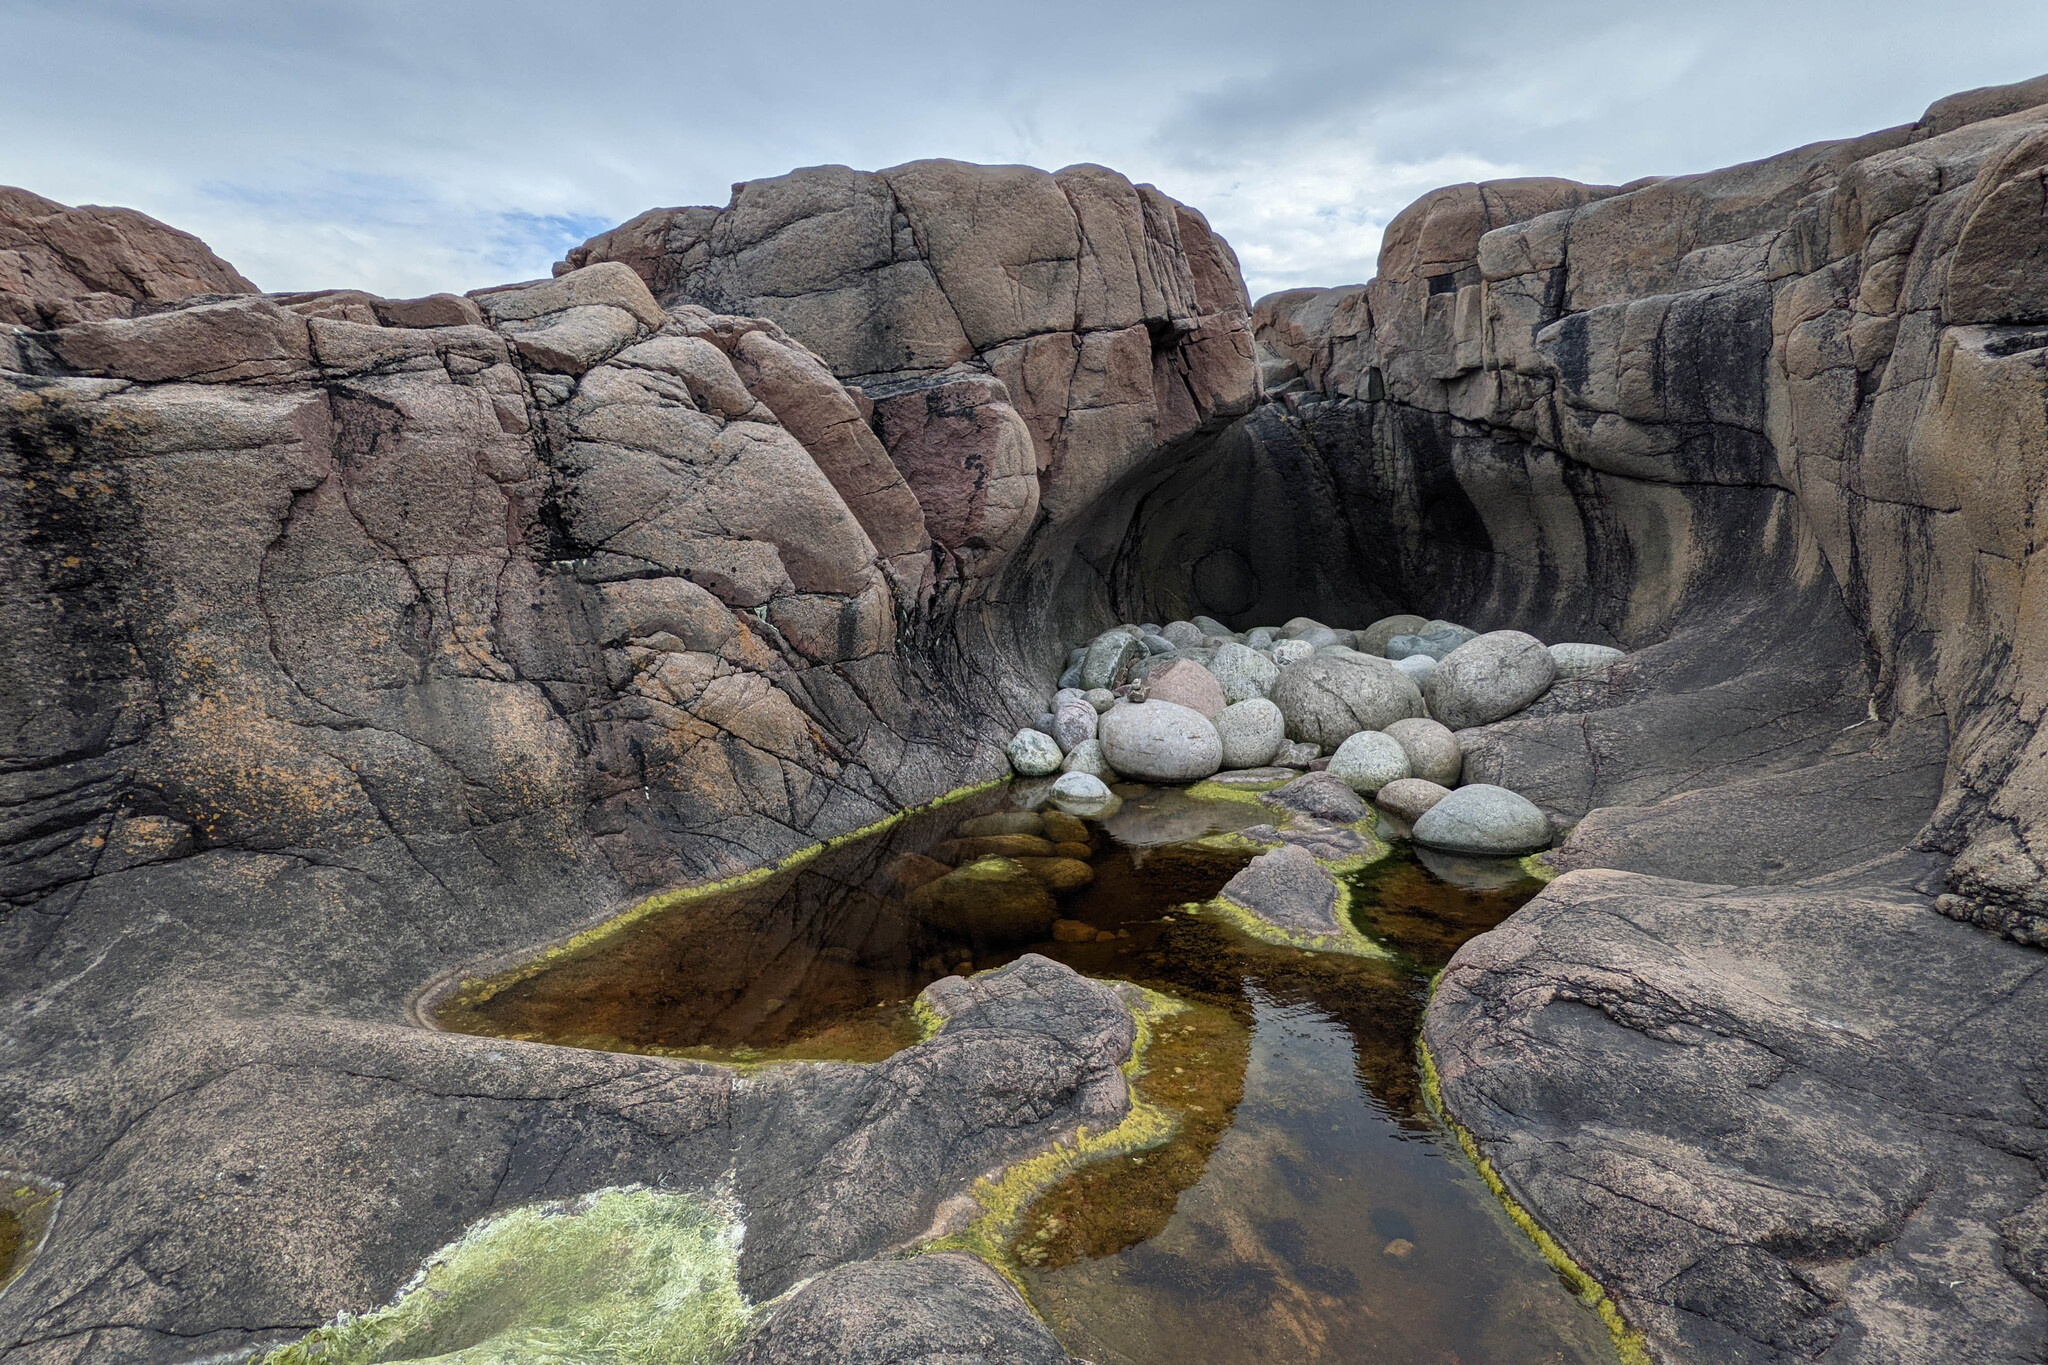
28 1207
625 1276
1629 1344
1005 1200
475 992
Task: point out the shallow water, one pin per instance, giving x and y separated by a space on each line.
1307 1209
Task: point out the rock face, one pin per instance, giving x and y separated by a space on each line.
60 266
349 642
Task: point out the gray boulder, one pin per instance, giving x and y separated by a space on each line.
1101 698
1434 643
1160 741
1291 651
1109 658
1209 625
1080 793
1328 698
1410 798
1417 666
1243 672
1033 753
1184 634
1293 755
1489 677
1484 820
1087 757
1259 637
1072 723
1368 761
1373 639
1299 626
1157 644
1432 749
1252 732
1576 661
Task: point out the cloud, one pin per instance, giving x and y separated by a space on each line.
404 148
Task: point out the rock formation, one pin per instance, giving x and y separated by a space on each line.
350 642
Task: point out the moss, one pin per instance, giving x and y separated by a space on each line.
1539 869
1216 791
1629 1344
1347 941
625 1276
477 992
1005 1200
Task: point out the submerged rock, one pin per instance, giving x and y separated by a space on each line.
1002 822
1368 761
1486 820
1033 753
1488 678
992 900
1287 888
1161 741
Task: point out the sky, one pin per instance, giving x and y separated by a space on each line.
406 148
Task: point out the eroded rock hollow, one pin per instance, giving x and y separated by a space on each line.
352 642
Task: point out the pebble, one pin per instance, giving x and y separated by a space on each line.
1073 724
1101 698
1186 683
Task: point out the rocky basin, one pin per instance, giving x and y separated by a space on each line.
353 645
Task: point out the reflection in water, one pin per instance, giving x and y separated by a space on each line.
1306 1209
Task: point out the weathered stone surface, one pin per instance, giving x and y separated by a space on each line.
1251 733
1073 723
1160 741
1328 698
1186 683
1483 819
1243 673
1033 753
1489 677
942 1306
1320 795
60 266
1373 639
1368 761
1432 749
1108 660
1408 798
1576 661
1288 889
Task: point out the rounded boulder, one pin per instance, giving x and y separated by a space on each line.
1485 821
1243 673
1160 741
1086 757
1328 698
1410 798
1373 639
1034 754
990 900
1186 683
1489 677
1368 761
1251 732
1432 749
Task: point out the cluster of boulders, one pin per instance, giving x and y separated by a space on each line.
1376 708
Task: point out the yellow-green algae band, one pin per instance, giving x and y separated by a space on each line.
479 991
1005 1200
1347 940
1629 1344
629 1276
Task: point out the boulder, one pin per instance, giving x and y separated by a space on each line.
1251 732
1409 798
1060 875
1299 626
1101 698
1368 761
1087 757
1243 672
1435 643
1260 637
1081 787
1417 666
1293 755
1286 887
1160 741
1287 652
1062 828
1320 795
1157 644
1328 698
1489 677
1373 639
992 900
1109 658
1073 723
1184 634
1209 626
1576 661
1432 749
1033 753
1186 683
1484 820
